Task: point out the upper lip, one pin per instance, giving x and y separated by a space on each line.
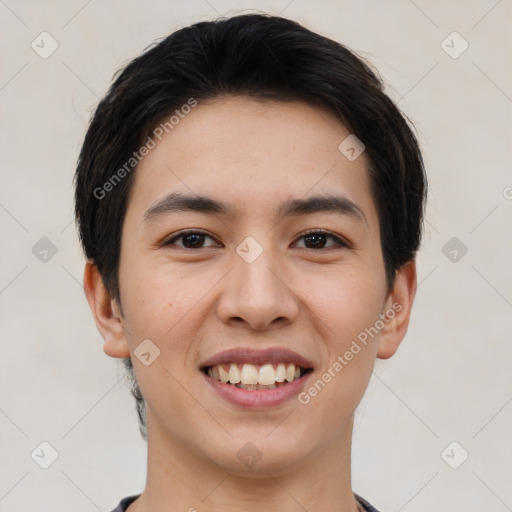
252 356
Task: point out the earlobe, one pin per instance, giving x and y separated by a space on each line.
398 310
106 313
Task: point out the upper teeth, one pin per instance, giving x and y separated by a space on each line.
265 374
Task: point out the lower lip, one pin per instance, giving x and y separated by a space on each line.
258 398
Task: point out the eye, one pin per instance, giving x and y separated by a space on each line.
190 240
317 240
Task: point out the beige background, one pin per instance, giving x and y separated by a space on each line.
450 380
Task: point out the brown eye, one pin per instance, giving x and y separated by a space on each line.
189 240
318 240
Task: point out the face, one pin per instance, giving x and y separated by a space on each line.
261 274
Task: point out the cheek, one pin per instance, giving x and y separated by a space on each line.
346 303
153 291
159 304
346 308
166 304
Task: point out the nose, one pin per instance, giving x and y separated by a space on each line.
257 295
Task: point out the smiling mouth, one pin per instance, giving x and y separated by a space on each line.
253 376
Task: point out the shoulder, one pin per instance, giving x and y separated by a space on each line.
125 502
365 504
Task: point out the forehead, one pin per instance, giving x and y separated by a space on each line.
252 155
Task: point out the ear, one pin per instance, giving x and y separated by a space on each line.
398 310
106 313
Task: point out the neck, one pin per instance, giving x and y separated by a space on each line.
178 478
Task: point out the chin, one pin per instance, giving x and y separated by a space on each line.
260 452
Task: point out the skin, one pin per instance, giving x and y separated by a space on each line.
194 303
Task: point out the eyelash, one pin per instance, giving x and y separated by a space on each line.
340 243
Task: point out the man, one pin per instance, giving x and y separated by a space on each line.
250 203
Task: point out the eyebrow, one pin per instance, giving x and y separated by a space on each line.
178 202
